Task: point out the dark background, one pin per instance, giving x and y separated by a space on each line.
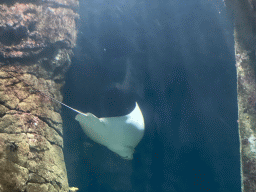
176 59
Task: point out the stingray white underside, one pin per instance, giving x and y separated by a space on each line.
119 134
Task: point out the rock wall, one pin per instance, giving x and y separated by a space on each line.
36 41
243 13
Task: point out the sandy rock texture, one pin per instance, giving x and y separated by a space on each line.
36 41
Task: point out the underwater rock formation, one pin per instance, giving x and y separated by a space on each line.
244 16
36 41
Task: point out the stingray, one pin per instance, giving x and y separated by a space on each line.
119 134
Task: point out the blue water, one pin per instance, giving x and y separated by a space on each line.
176 59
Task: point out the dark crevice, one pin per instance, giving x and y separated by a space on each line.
13 83
35 150
44 119
1 116
48 3
12 35
3 103
33 11
12 2
27 50
32 26
47 49
54 183
5 77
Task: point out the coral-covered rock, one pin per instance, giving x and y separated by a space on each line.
36 41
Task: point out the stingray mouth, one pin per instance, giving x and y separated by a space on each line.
129 153
128 158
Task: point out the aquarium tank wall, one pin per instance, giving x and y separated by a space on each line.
127 96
